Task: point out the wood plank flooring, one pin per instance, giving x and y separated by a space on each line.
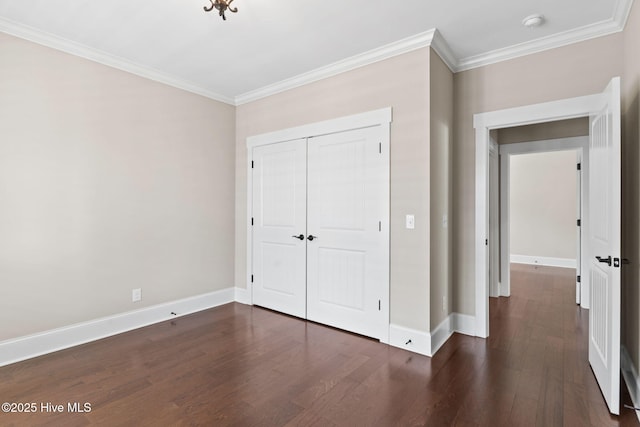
246 366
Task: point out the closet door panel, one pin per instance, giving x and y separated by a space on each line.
279 216
345 254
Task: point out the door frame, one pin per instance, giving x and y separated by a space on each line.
484 123
578 144
381 117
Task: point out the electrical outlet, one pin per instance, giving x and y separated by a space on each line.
136 295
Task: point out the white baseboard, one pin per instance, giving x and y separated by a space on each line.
410 339
541 260
464 324
631 378
441 334
22 348
242 296
428 343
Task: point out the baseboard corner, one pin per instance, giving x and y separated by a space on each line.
242 296
410 339
464 324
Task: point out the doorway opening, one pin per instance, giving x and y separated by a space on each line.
538 212
603 231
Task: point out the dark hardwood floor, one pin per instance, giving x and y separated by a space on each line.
246 366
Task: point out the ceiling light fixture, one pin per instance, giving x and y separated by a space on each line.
221 6
533 21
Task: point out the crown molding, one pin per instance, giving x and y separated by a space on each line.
431 38
599 29
622 11
77 49
440 46
375 55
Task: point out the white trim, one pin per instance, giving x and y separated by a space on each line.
631 378
440 46
547 145
463 324
431 38
387 51
382 116
428 343
410 339
242 296
483 123
46 39
587 32
505 223
563 109
29 346
542 260
441 334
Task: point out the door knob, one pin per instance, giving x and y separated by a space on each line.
606 260
311 237
300 237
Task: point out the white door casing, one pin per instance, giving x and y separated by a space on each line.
579 259
604 240
346 255
279 214
495 284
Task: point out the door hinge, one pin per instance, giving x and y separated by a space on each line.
252 278
579 223
251 164
579 166
578 279
380 147
486 242
379 225
251 220
379 305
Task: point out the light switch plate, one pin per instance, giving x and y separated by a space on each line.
410 222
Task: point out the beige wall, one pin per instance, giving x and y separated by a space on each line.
575 70
441 101
401 83
108 182
543 204
631 186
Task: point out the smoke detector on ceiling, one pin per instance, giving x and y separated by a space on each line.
533 21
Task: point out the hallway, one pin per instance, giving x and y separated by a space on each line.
539 338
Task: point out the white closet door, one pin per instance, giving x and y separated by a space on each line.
279 230
346 254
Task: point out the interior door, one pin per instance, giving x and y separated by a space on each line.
346 254
604 239
279 226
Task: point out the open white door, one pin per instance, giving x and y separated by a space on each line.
604 241
280 226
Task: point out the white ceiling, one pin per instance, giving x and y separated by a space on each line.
272 45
